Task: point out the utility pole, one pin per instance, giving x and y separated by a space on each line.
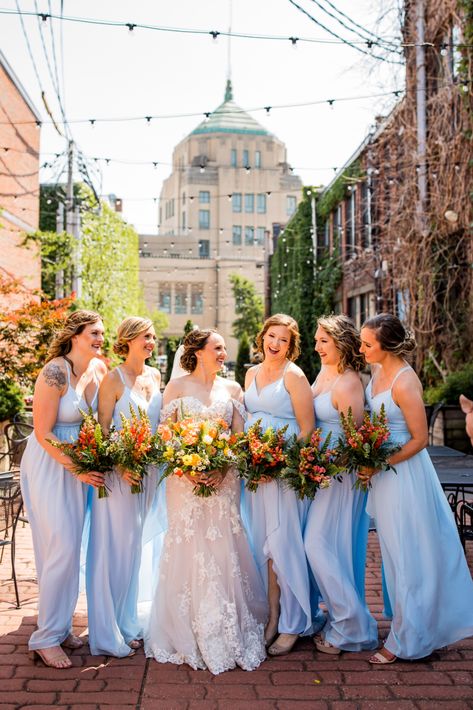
73 222
420 88
59 276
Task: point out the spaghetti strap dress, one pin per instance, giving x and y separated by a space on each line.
427 577
56 502
115 545
275 519
335 540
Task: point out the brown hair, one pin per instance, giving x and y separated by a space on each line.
281 319
347 341
75 323
194 341
128 330
391 334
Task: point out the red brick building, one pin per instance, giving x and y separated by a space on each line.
19 179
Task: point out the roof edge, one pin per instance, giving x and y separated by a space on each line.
21 89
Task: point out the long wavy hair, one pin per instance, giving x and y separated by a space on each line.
75 323
128 330
347 341
294 349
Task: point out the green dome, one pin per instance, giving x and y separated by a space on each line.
230 118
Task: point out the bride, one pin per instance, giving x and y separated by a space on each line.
210 607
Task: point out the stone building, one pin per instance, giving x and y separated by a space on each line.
230 192
19 179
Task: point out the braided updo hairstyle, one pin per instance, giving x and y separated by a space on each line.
128 330
391 334
347 341
194 341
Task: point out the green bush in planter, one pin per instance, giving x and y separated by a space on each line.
11 399
457 383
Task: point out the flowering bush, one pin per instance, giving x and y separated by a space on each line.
197 448
310 465
366 445
262 456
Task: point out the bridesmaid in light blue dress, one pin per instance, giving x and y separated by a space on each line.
427 577
277 392
336 533
116 533
55 499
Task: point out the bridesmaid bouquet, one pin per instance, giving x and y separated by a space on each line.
310 465
262 456
131 447
197 448
91 451
366 445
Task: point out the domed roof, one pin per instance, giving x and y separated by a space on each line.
230 118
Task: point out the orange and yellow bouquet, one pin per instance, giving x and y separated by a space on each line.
131 446
311 465
262 456
91 451
197 448
367 445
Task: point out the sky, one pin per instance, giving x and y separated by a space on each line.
110 72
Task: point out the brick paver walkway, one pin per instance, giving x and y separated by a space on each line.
304 679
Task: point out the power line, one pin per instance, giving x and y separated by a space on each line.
375 36
352 44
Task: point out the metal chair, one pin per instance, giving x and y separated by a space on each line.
11 504
16 434
465 528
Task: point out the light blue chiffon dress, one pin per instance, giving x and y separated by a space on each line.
55 502
115 546
427 577
275 519
335 540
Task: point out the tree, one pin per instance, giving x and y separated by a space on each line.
248 307
243 358
26 333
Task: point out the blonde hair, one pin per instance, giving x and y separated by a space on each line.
74 325
288 322
391 334
128 330
195 340
347 341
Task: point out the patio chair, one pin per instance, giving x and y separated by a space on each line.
16 434
465 528
11 503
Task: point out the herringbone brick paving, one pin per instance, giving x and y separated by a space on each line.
303 680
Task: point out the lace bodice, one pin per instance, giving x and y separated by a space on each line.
189 406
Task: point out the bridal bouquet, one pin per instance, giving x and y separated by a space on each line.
262 455
130 447
197 448
310 465
366 445
91 451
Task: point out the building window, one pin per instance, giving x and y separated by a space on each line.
164 301
249 203
236 201
236 234
257 159
350 223
291 205
204 219
364 308
352 309
260 236
233 158
366 214
180 298
261 203
197 298
204 197
183 220
183 198
249 236
246 159
204 248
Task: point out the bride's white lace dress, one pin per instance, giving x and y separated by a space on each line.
210 606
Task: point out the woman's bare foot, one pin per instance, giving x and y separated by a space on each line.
53 657
72 641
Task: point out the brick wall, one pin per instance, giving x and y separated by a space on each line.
19 184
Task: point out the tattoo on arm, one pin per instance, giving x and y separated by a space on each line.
54 376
